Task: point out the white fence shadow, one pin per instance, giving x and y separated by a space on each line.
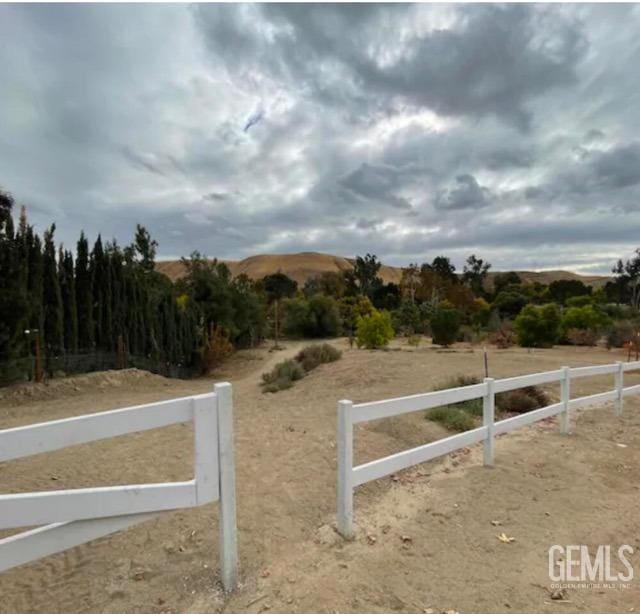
349 414
72 517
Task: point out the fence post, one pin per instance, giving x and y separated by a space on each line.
227 524
619 383
565 393
488 419
345 469
205 436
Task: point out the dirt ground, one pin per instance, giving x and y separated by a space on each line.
426 539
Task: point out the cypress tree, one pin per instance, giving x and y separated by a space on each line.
99 279
68 291
53 311
84 295
13 298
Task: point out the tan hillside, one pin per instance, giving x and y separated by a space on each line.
308 264
297 266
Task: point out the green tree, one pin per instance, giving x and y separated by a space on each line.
67 283
52 297
538 326
278 286
84 295
445 325
474 274
364 279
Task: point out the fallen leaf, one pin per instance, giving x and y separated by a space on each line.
505 539
371 539
496 523
406 538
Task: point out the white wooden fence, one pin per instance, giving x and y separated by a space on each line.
349 414
72 517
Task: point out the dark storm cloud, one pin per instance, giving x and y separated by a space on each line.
405 130
465 193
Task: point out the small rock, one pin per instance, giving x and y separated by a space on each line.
559 594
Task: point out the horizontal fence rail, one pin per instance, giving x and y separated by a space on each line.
349 477
75 516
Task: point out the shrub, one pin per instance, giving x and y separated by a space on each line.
472 407
522 400
584 318
619 334
580 336
374 331
317 317
452 418
282 376
516 401
313 355
538 326
504 337
295 317
445 324
406 319
323 317
215 349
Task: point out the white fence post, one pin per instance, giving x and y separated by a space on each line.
488 419
565 392
619 383
227 523
205 434
345 469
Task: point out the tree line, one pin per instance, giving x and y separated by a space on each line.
103 305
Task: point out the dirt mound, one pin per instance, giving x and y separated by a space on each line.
78 384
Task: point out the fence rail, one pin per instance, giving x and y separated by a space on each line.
349 477
72 517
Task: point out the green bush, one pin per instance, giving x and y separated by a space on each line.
538 326
407 318
452 418
295 317
313 355
473 407
586 317
282 376
374 331
324 317
317 317
445 324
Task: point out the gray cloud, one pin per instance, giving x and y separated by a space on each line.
464 193
406 130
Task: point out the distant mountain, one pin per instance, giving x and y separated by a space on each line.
309 264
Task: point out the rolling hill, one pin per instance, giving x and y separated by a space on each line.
308 264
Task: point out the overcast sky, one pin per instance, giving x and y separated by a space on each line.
511 132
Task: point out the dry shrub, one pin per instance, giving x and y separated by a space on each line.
308 358
313 355
453 418
282 376
582 336
522 400
216 348
503 338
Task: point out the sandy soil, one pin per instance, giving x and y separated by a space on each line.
425 540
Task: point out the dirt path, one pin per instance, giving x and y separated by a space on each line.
545 489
